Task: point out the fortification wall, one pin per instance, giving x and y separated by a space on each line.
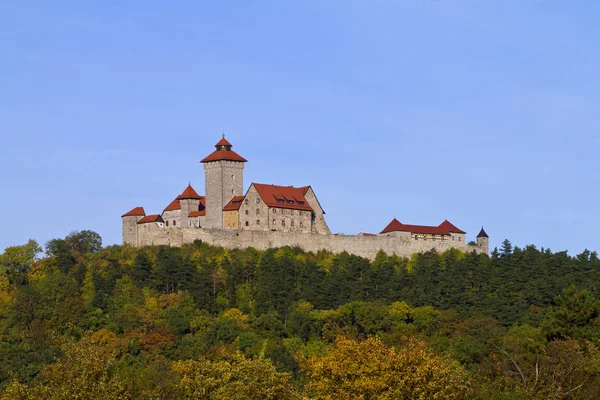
364 246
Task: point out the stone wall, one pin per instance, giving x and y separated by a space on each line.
223 180
254 213
130 229
318 225
398 243
172 219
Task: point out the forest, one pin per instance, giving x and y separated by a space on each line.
79 320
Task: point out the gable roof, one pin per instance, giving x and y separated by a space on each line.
150 218
283 196
450 227
136 212
444 228
234 204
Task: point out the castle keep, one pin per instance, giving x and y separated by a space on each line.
273 216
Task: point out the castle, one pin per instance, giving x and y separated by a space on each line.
268 216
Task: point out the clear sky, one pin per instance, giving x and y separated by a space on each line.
481 112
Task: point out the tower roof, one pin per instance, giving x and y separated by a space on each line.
136 212
189 193
482 234
223 142
223 152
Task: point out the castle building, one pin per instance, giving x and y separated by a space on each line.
272 216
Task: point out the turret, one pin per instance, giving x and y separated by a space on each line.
189 201
483 241
224 179
130 225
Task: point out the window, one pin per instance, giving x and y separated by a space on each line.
246 212
273 222
301 225
231 191
174 222
247 223
292 223
290 201
301 203
246 201
460 239
292 212
280 200
257 200
167 222
283 222
257 211
258 222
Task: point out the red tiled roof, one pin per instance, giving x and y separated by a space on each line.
223 142
136 212
200 213
283 196
190 193
366 234
234 204
226 155
174 205
444 228
150 218
450 227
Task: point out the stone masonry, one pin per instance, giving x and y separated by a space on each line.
273 216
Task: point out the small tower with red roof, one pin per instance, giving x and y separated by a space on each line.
224 179
130 225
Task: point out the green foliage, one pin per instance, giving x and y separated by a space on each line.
163 322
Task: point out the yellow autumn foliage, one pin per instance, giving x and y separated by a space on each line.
370 370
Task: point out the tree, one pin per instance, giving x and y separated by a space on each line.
59 248
506 248
84 242
142 269
86 372
17 260
238 378
369 369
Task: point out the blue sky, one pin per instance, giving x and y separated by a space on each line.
482 112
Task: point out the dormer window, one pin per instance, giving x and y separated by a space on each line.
301 203
290 201
280 200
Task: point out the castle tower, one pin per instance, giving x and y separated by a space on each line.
483 241
130 225
189 201
224 179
